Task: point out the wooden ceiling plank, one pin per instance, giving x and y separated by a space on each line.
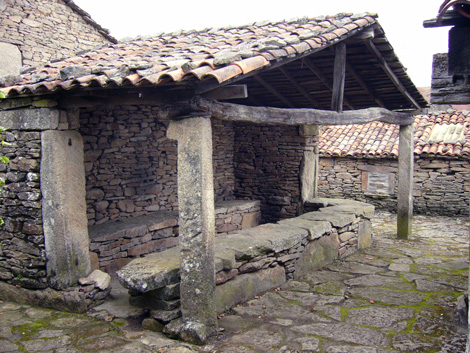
316 70
274 91
386 67
364 85
298 87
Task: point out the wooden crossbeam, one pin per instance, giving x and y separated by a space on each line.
298 116
273 91
299 87
316 70
388 70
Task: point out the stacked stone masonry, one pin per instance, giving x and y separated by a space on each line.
267 163
116 243
252 261
46 30
131 165
441 185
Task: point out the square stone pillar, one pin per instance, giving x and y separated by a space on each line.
405 181
196 227
64 208
310 163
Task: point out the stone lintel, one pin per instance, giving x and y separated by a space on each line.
405 182
197 226
30 119
64 208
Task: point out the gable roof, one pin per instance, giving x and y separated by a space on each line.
203 60
444 134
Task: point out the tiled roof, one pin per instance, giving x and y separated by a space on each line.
188 57
445 134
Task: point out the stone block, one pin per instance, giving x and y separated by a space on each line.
336 219
250 220
10 60
30 119
346 236
64 208
316 229
317 254
364 234
246 286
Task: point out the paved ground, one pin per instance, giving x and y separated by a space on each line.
397 296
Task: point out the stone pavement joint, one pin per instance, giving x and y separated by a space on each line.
397 296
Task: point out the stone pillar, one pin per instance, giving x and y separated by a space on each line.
64 207
405 181
197 227
310 163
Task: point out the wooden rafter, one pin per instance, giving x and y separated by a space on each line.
388 70
298 116
316 70
299 87
370 92
339 77
273 91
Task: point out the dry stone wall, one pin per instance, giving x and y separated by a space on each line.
267 165
131 166
22 255
45 30
441 185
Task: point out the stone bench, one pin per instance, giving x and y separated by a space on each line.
253 261
114 244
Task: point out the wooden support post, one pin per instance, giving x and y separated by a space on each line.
339 77
405 182
197 224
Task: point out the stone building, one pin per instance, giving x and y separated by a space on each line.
122 150
35 32
359 162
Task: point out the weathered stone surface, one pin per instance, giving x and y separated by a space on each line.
30 119
317 254
64 207
197 226
372 280
10 59
388 296
151 272
98 278
336 219
316 229
247 286
364 234
379 316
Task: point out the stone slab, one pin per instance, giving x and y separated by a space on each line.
316 229
247 286
30 119
337 219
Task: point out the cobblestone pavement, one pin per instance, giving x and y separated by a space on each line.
397 296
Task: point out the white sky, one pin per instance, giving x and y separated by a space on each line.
402 21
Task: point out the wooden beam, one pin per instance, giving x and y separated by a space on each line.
388 70
299 87
299 116
316 70
228 92
273 91
405 182
339 77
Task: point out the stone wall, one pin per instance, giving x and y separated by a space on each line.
131 164
250 262
45 30
441 185
22 254
267 166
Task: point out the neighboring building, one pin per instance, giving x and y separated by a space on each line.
360 162
35 32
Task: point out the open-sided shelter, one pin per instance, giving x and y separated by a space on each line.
93 140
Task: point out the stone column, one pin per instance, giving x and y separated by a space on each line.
197 227
310 163
405 181
64 208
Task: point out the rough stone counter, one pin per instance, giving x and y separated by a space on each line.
253 261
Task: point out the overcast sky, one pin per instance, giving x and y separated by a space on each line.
402 21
